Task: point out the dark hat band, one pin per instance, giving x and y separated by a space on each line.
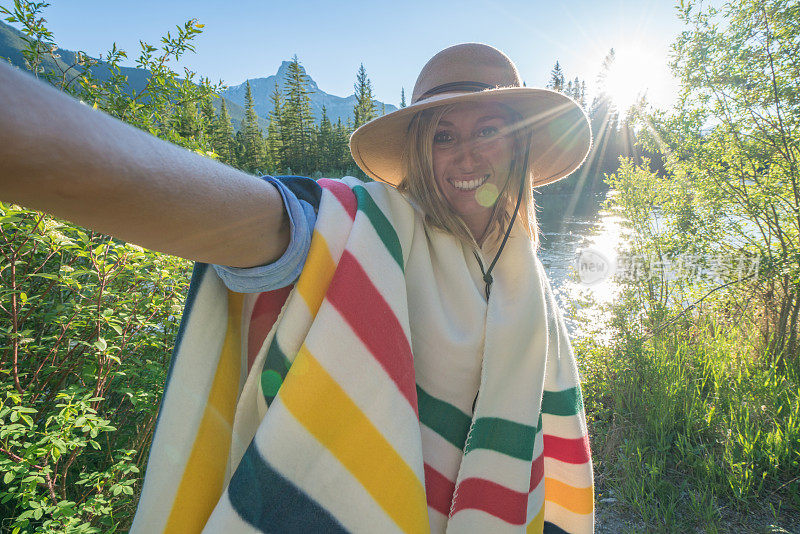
469 87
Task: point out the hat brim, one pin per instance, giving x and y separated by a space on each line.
561 132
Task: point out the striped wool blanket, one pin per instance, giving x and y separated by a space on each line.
298 410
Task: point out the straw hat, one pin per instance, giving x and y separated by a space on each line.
475 72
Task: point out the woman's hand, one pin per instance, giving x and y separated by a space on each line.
60 156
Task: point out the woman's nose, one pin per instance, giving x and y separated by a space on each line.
467 154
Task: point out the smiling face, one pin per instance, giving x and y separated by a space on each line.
472 152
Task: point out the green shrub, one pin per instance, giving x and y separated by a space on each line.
694 406
691 429
87 323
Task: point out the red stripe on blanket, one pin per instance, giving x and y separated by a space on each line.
368 314
265 312
343 194
481 494
571 451
537 471
439 490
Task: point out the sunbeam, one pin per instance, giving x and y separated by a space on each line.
635 71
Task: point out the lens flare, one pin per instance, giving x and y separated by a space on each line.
486 195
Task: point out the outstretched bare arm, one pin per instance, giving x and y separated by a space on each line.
60 156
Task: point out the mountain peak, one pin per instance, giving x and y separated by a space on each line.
285 67
336 106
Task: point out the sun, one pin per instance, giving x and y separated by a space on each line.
636 71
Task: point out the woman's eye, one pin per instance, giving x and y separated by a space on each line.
488 131
442 138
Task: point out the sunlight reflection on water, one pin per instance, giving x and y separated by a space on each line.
564 233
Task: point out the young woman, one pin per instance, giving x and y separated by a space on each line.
374 357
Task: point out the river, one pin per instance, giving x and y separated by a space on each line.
569 225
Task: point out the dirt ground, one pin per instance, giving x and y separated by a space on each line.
612 518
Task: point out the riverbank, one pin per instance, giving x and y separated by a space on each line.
693 429
694 425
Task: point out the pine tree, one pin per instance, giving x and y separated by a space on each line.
608 61
583 94
364 109
207 117
326 153
402 97
238 155
341 144
267 161
274 135
187 122
253 156
298 121
604 118
576 89
222 139
556 78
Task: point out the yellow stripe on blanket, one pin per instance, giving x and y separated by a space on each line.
536 526
317 273
335 420
204 476
576 500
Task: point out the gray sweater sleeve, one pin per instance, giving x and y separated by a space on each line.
286 269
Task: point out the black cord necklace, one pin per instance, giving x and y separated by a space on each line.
487 274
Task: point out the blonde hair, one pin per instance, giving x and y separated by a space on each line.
419 183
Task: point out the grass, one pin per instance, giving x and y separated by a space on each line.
694 429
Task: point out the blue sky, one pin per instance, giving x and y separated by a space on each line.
249 39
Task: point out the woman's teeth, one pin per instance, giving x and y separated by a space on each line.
469 185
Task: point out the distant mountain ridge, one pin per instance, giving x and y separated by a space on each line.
337 107
12 43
